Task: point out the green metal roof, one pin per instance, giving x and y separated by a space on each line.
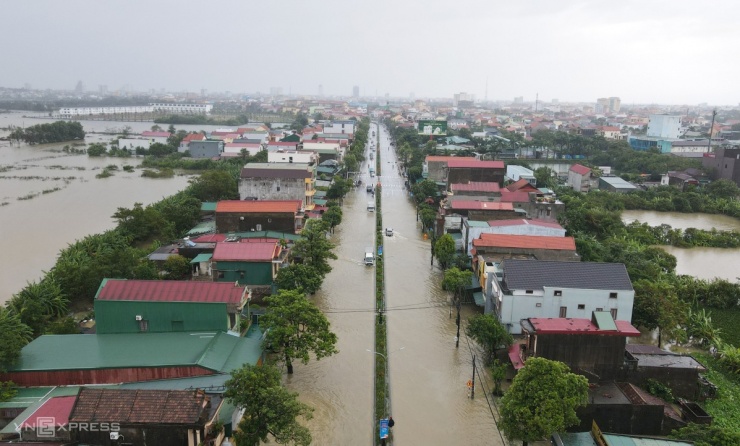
102 351
319 194
268 234
604 320
202 257
477 224
319 201
210 383
206 227
208 206
479 299
621 440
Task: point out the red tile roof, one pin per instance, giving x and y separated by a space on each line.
58 409
283 143
523 221
476 186
481 205
476 164
508 196
259 206
515 356
551 325
525 242
170 291
435 158
579 169
155 134
194 137
246 252
521 185
140 406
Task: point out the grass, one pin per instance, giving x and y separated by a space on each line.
725 409
728 320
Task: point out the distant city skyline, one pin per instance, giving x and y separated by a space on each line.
573 50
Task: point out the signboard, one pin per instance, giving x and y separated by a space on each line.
380 250
432 127
384 428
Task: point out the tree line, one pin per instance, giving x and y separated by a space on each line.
58 131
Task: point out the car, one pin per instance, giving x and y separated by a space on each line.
389 232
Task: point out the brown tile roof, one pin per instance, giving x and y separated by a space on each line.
525 242
521 185
476 186
129 406
481 205
260 206
579 169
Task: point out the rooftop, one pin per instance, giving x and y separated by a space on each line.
215 351
276 170
476 164
521 184
438 159
519 196
260 206
247 252
128 406
618 182
57 409
169 291
537 274
578 326
579 169
524 222
525 242
481 205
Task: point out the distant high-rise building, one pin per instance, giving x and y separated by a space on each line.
321 90
519 100
356 91
276 91
27 86
602 105
203 92
556 101
103 89
79 88
614 104
463 99
412 95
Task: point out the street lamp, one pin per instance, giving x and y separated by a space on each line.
384 356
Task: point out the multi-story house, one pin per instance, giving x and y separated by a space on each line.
279 181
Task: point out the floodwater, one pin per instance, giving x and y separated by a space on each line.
428 374
703 263
50 199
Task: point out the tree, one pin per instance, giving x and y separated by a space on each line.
96 149
65 325
723 188
542 399
444 250
269 408
158 149
427 217
333 216
299 277
456 280
296 327
545 177
176 267
423 190
14 335
489 333
657 306
707 435
313 248
215 185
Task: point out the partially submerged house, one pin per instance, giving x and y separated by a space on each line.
265 215
248 262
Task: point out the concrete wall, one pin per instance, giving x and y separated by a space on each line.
726 164
498 254
206 149
468 174
272 188
437 170
246 273
231 222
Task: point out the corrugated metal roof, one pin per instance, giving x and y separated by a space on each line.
525 242
205 227
580 169
621 440
436 158
561 325
474 164
604 320
521 184
481 205
259 206
524 221
202 257
536 274
246 252
508 196
130 350
478 224
169 291
618 183
56 408
208 206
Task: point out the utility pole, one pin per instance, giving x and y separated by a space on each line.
711 127
472 389
457 338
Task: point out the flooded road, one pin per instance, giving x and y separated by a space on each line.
428 377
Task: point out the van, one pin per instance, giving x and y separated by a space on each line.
369 257
371 206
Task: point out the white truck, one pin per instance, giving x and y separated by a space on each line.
371 206
369 257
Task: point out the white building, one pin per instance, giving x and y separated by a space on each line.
292 156
472 230
523 289
515 173
664 126
344 127
71 112
133 143
186 109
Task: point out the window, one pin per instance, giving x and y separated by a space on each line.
220 274
613 311
241 275
143 325
599 309
558 292
612 295
278 188
529 291
581 306
538 304
563 311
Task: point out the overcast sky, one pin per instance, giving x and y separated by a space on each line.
644 51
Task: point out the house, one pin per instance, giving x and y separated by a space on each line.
133 143
264 215
185 143
580 178
533 204
273 146
156 137
343 127
523 185
279 181
516 173
542 288
235 148
325 150
206 148
476 189
36 427
616 184
435 167
593 347
472 229
140 417
680 372
293 156
155 306
678 179
248 262
496 247
610 132
480 210
465 171
725 162
66 360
